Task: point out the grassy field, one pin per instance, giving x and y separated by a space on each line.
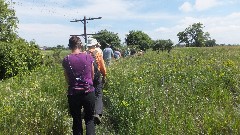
189 91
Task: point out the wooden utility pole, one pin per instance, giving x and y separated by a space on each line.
84 21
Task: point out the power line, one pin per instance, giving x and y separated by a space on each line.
84 21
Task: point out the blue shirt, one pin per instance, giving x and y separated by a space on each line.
107 53
117 54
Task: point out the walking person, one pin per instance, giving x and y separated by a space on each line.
127 52
99 79
79 72
117 54
107 55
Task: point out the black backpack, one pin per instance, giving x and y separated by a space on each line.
97 73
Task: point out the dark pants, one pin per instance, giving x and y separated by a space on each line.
76 102
98 97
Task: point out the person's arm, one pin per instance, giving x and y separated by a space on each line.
112 53
101 64
64 70
66 76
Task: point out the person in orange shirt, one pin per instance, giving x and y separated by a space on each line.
98 82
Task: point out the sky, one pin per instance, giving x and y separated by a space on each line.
47 22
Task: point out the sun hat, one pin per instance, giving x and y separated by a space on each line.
92 42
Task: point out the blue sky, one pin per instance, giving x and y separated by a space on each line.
48 21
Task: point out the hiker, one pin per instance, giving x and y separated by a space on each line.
107 55
117 54
79 73
99 78
127 52
140 53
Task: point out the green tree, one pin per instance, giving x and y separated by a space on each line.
138 39
17 57
208 41
163 45
105 37
8 22
16 54
193 35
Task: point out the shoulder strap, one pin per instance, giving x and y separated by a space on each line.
70 66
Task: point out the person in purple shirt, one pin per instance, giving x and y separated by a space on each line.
79 71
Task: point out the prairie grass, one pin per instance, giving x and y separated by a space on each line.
189 91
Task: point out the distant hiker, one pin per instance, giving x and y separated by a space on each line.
117 54
107 55
140 53
99 78
127 52
79 72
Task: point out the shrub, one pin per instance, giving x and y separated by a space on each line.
18 57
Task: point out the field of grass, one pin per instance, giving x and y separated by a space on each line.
189 91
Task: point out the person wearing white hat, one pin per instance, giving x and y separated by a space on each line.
98 82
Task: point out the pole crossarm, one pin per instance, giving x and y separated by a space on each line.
83 35
76 20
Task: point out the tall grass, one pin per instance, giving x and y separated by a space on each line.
34 103
189 91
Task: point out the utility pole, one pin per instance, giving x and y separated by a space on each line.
84 21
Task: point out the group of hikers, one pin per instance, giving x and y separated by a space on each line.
85 74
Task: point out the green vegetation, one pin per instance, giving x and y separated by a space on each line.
34 103
138 39
105 37
8 22
187 91
18 57
193 36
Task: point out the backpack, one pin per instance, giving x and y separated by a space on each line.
97 73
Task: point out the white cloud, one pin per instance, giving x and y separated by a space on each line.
49 23
200 5
51 33
205 4
224 29
186 7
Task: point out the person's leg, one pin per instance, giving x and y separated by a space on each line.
98 102
75 106
107 62
89 107
98 99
